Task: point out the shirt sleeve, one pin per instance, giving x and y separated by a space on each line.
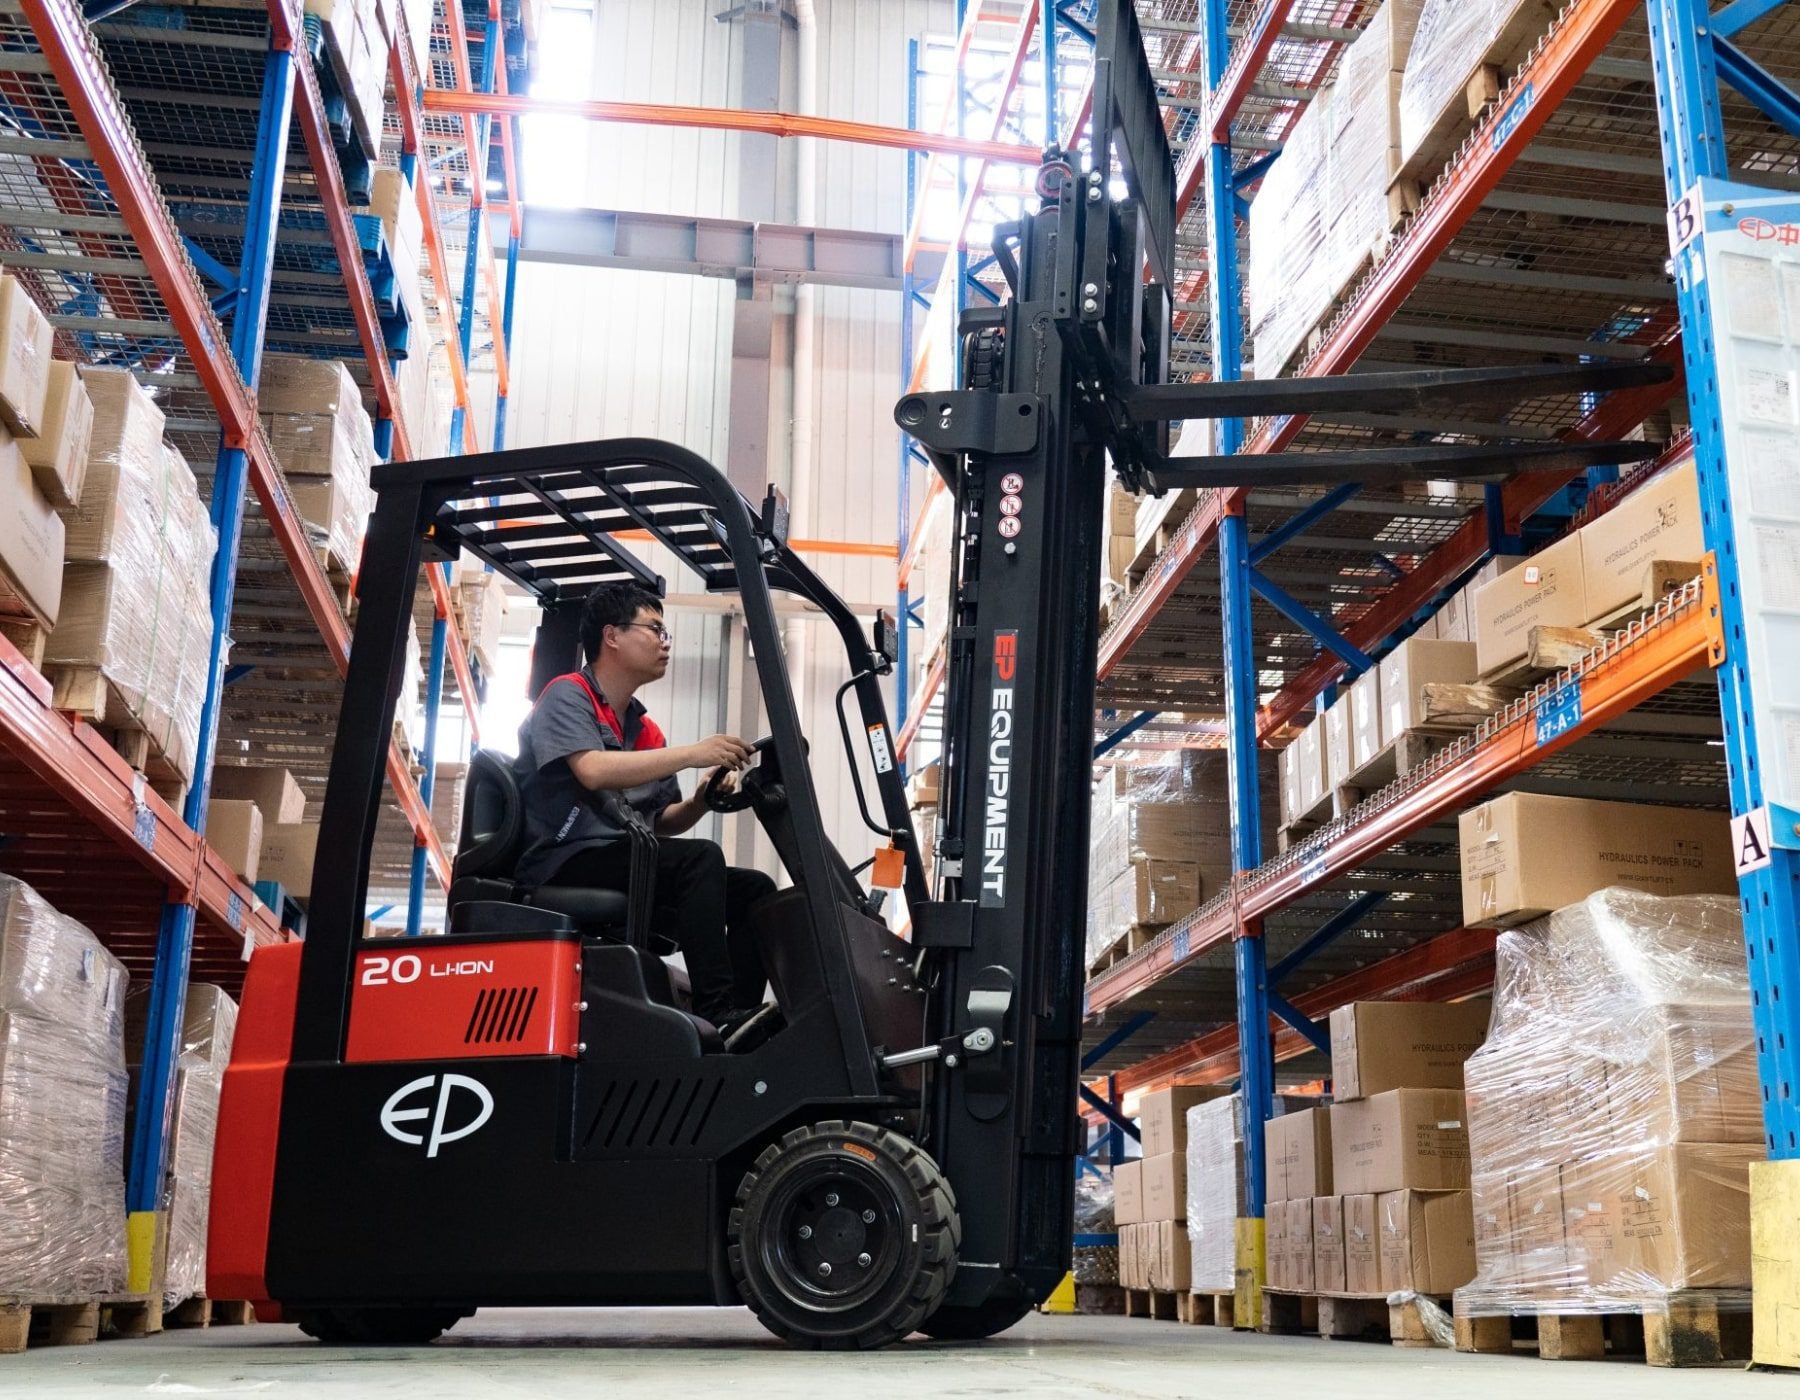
564 723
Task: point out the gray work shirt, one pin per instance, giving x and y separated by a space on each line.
562 817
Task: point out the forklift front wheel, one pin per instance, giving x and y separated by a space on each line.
843 1235
974 1324
378 1327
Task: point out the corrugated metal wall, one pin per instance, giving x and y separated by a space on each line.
601 353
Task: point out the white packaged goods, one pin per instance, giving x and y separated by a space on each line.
208 1024
321 434
62 1103
1322 211
1452 42
1215 1191
136 603
1615 1110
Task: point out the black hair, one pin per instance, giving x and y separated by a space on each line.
613 605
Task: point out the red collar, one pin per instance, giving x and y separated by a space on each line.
648 736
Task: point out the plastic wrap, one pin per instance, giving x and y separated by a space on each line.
1215 1191
1322 210
1452 40
1614 1110
137 606
62 1103
1095 1263
447 802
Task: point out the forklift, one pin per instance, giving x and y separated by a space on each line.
523 1111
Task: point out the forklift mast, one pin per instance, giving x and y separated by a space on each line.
1022 447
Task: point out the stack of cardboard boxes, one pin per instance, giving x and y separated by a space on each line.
313 413
265 802
484 615
135 624
1150 1196
62 1103
209 1020
1371 1195
1215 1191
1615 1110
1160 843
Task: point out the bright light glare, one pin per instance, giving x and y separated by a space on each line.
555 148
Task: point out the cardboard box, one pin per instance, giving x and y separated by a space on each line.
1659 520
1300 1243
1297 1155
125 448
301 384
1382 1045
484 608
1524 855
271 789
1165 1186
1403 1138
31 543
1287 766
287 856
1171 1268
58 455
1414 663
1427 1241
1328 1244
1156 892
1312 777
393 200
1275 1245
1539 1242
234 828
1546 591
1490 1200
922 787
24 359
1340 724
1700 1083
1455 620
1128 1192
1365 718
1675 1217
1162 1116
1362 1244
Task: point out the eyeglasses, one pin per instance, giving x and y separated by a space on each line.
662 633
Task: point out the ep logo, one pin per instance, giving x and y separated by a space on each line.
392 1114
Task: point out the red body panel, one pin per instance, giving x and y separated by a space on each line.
416 1001
243 1179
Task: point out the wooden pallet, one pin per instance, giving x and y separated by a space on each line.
1122 947
1153 1303
71 1320
1097 1299
1548 650
29 637
1685 1329
210 1312
1209 1310
1348 1317
88 693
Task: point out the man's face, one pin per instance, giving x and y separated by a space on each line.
642 648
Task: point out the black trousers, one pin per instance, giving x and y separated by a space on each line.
703 904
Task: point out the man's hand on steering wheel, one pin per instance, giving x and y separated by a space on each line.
721 789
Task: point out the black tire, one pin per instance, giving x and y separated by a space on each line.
974 1324
843 1236
378 1327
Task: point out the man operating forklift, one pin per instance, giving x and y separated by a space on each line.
589 733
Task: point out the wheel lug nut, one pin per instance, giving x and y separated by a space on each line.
868 1217
806 1232
865 1260
824 1271
831 1198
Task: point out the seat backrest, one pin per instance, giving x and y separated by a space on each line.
493 819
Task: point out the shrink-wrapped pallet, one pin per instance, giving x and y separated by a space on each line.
1323 209
322 437
62 1103
1095 1263
1614 1110
1454 41
136 606
1215 1191
208 1025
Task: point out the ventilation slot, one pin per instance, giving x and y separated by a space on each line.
501 1016
660 1113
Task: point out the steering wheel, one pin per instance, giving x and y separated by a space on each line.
718 801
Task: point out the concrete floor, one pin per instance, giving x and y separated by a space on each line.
539 1355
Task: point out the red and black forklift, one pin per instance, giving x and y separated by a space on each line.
522 1111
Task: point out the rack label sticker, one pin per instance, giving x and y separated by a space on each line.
234 910
143 827
1750 842
1558 712
1684 220
1513 116
879 750
1181 946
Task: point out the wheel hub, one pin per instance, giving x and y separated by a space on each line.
836 1238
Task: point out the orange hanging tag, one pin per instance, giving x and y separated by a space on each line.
890 868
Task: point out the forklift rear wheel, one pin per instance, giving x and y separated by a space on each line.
974 1324
378 1327
843 1235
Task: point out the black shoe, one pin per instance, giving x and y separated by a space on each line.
745 1028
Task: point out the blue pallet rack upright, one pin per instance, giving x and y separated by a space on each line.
1691 51
174 944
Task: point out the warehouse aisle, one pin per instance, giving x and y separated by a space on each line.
680 1352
